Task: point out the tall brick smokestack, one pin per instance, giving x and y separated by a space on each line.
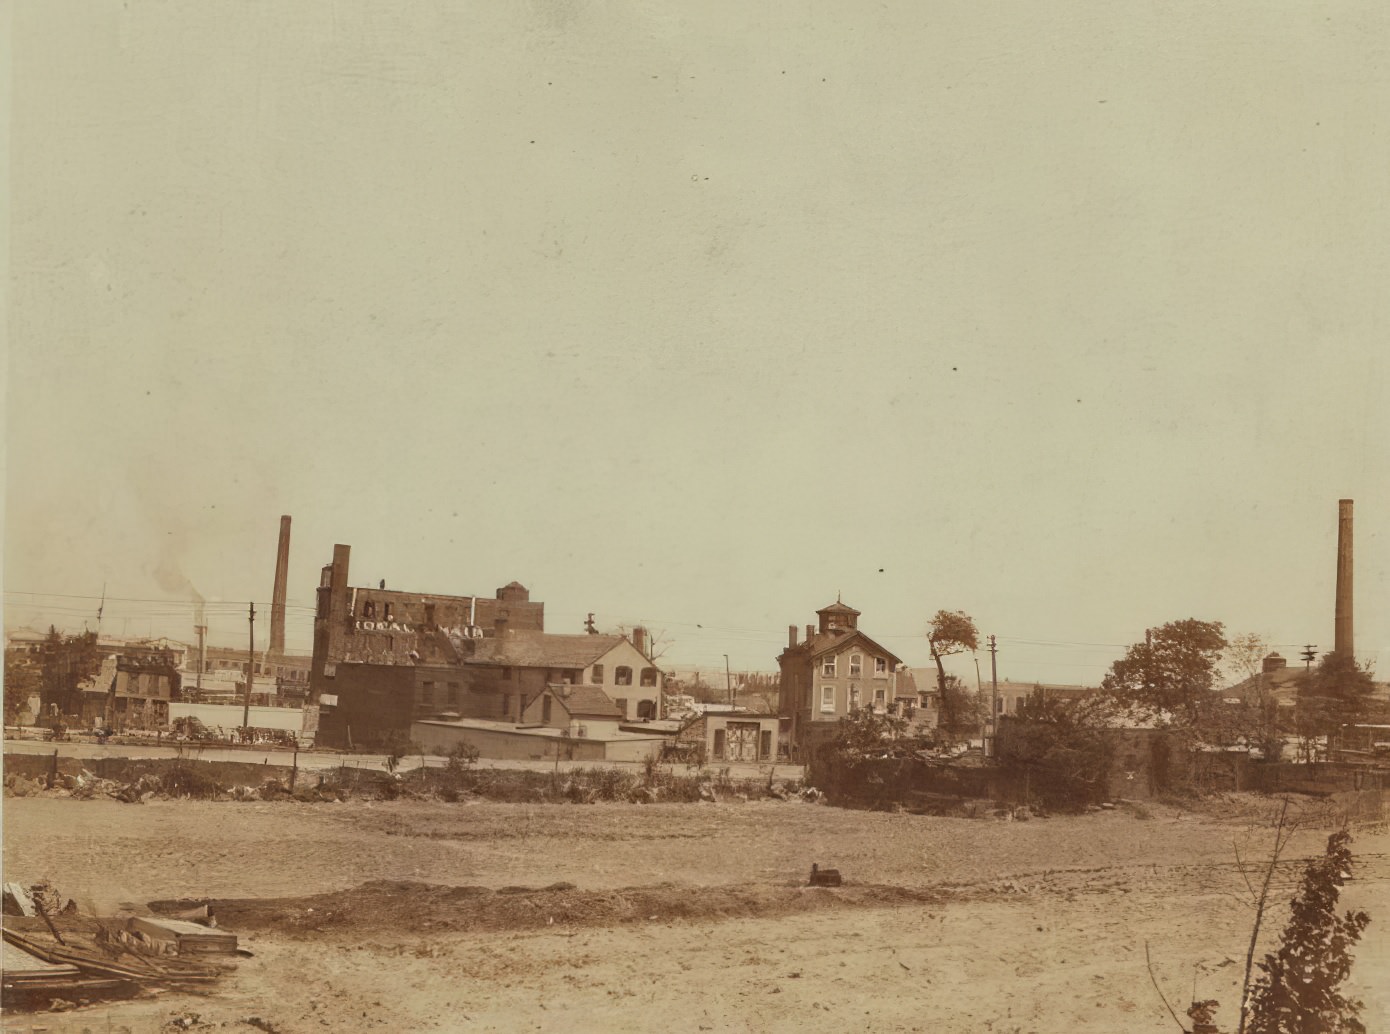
1342 632
277 601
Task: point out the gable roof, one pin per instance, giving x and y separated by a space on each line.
585 701
824 642
542 650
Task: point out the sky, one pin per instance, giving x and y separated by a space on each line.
1072 317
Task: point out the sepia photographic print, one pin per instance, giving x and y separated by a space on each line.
600 516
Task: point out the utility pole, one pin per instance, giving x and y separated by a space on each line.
250 670
993 693
202 631
1310 654
728 679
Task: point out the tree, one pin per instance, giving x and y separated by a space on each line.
1336 693
1299 990
1174 669
1060 747
962 711
67 663
22 680
950 632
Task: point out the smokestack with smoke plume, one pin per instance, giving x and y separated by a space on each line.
170 577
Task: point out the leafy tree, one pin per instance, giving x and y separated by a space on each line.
950 632
1060 747
1336 693
962 711
67 663
1299 990
22 679
864 732
1174 669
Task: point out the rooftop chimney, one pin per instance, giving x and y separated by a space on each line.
810 632
277 599
1342 631
639 640
791 637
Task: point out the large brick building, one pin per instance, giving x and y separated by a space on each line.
385 658
837 670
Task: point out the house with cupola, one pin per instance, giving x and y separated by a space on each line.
836 670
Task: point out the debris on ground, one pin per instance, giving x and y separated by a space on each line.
54 957
824 877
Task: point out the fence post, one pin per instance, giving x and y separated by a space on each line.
53 769
294 770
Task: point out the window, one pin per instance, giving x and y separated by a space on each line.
507 674
368 609
453 694
623 676
827 667
827 699
506 704
596 674
765 745
429 613
649 676
719 738
854 698
856 666
427 694
387 614
621 705
545 709
880 667
880 697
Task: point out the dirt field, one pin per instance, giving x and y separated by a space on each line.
681 917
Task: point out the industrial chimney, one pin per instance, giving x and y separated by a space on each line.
1342 631
277 600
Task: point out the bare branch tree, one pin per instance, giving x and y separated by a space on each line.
1283 830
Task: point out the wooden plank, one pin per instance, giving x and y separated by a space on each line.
21 898
189 938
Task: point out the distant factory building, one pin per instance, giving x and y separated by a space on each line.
384 659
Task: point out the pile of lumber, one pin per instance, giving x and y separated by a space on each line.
163 936
74 966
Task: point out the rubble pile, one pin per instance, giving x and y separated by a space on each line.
56 958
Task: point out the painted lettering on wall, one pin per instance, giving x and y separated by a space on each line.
382 626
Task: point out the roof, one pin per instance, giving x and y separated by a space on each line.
838 608
1282 685
1047 687
537 731
542 650
824 642
585 701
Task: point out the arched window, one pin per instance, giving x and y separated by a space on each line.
623 676
649 676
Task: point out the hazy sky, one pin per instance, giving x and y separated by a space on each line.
1072 316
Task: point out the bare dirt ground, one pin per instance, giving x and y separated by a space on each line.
616 917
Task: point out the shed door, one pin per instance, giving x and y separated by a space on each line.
743 741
